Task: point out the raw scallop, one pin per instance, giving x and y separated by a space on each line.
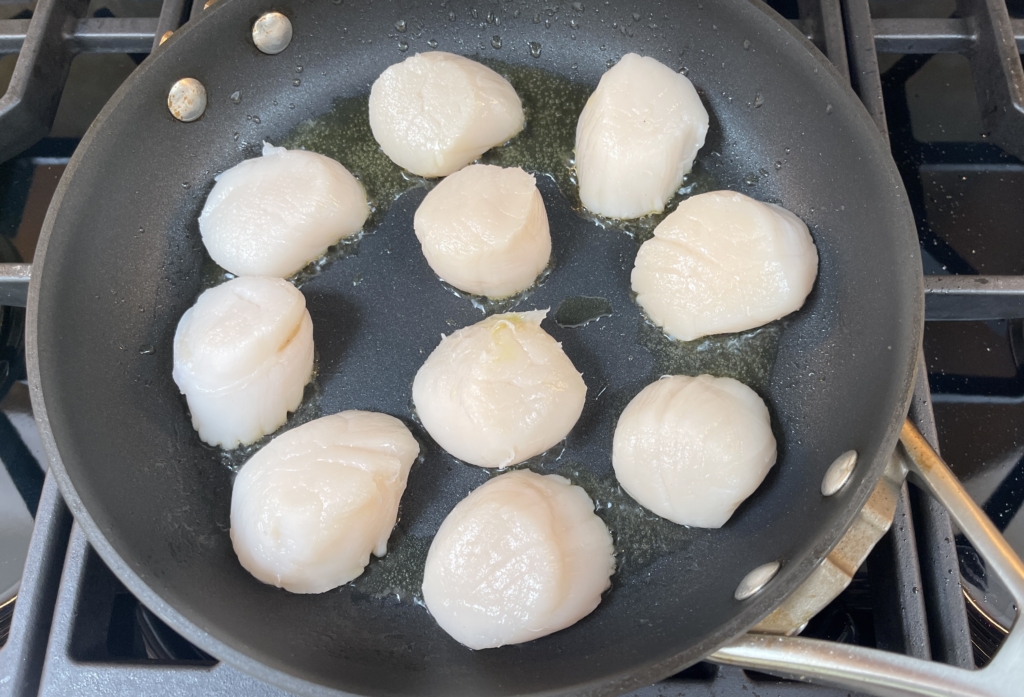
521 557
436 112
242 356
499 391
692 449
272 215
484 230
309 508
637 138
723 262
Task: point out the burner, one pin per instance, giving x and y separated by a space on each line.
915 65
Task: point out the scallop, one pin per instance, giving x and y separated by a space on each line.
637 137
498 392
242 356
723 262
484 230
436 112
691 449
521 557
272 215
309 508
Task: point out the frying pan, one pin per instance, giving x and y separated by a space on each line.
120 260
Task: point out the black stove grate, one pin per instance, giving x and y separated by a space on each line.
78 631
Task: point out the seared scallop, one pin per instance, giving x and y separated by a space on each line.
242 356
499 391
521 557
436 112
309 508
272 215
484 230
691 449
723 262
637 137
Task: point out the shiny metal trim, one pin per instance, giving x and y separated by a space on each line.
272 33
14 280
187 99
756 580
838 473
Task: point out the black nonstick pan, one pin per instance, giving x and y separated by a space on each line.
120 260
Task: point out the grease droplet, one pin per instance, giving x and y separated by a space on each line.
496 41
535 49
400 25
147 349
236 97
403 46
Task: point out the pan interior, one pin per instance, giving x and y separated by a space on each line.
123 261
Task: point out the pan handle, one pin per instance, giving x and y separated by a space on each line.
14 284
895 675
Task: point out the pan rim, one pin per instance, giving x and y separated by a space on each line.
791 577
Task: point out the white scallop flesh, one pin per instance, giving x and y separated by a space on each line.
309 508
498 392
272 215
436 112
637 138
691 449
723 262
242 356
521 557
484 230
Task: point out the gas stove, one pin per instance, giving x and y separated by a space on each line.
938 78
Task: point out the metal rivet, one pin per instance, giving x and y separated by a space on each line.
756 580
839 473
167 35
187 99
272 33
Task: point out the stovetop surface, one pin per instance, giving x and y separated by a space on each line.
968 197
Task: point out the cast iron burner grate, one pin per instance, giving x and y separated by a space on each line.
77 630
